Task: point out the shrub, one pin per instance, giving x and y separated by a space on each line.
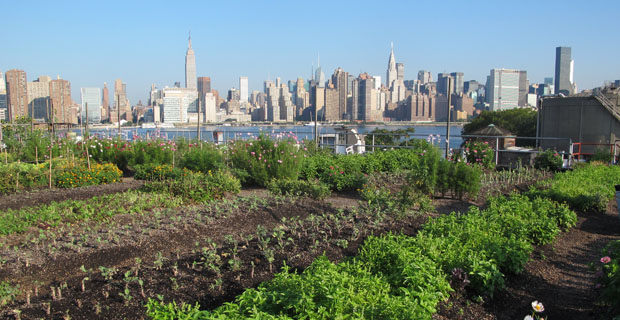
265 159
548 160
19 176
313 189
481 153
152 172
203 159
197 186
80 176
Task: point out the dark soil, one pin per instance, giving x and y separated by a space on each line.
45 196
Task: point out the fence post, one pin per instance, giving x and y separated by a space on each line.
50 170
496 150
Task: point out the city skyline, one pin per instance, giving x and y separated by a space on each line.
249 42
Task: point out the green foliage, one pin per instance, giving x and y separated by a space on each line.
588 188
96 208
462 179
7 293
171 311
126 155
198 186
602 155
22 176
80 176
385 137
313 189
480 153
520 121
203 159
152 172
548 160
608 281
265 159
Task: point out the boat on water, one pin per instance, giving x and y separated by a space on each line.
311 124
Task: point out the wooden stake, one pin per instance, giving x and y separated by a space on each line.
36 154
50 172
88 158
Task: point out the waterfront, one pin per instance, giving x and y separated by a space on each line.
435 133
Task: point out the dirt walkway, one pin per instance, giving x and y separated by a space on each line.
558 275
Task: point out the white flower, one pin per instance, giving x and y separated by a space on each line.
538 306
528 317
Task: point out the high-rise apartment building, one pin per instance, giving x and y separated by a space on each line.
243 89
3 104
367 101
503 89
17 94
38 98
331 104
524 86
190 66
91 102
61 102
392 73
563 71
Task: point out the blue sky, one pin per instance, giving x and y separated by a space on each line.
91 42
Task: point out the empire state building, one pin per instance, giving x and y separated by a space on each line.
190 66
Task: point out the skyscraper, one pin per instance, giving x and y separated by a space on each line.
443 81
458 85
92 97
243 89
17 94
2 97
400 71
121 102
563 71
38 97
503 89
424 77
392 73
204 87
61 102
190 66
340 79
319 76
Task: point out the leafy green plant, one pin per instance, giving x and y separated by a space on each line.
313 189
204 159
197 186
480 153
548 160
156 172
7 293
81 176
608 280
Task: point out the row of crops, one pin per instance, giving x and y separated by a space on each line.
401 277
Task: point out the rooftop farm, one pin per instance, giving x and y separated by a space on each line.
271 227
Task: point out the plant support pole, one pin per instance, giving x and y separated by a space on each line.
448 122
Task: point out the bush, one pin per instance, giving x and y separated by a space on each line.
152 172
197 186
265 159
480 153
548 160
205 159
313 189
80 176
20 176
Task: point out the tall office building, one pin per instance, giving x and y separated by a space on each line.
190 66
459 80
177 102
340 79
503 89
38 98
563 71
210 107
243 89
444 81
61 102
400 71
319 76
92 97
204 87
524 86
120 102
392 73
424 77
17 94
367 100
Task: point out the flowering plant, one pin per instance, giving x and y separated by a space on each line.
608 276
478 152
548 160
